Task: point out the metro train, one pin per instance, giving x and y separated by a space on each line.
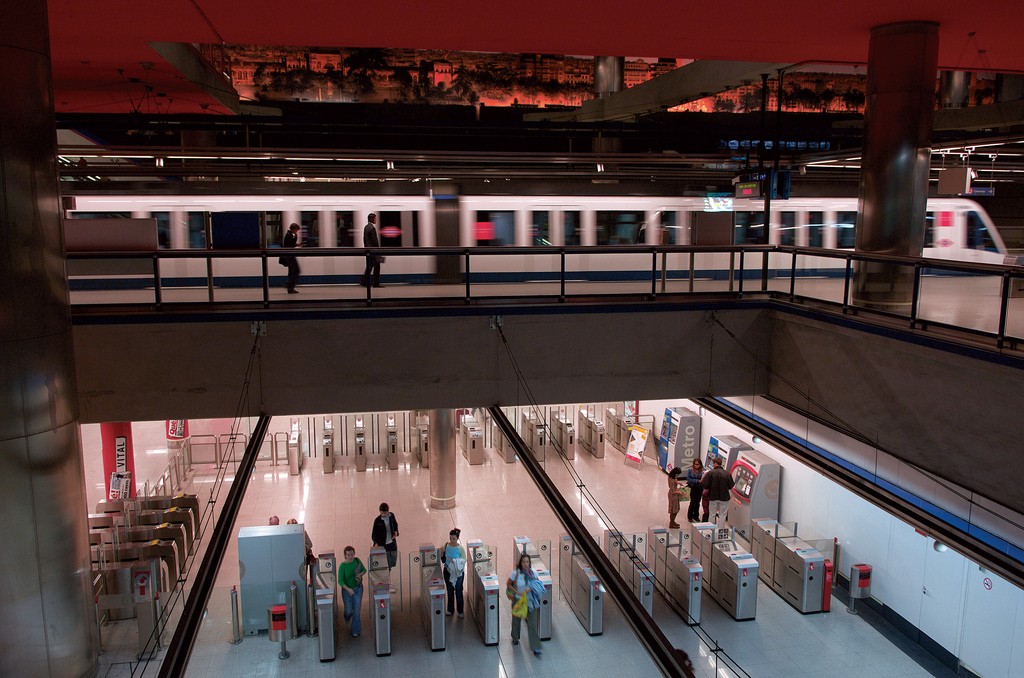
956 230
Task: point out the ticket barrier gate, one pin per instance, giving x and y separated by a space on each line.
379 577
521 545
734 578
626 551
148 609
581 587
164 552
328 445
391 434
360 448
325 580
294 448
471 436
563 432
680 575
535 435
618 428
591 433
485 589
432 592
503 447
421 440
797 569
144 533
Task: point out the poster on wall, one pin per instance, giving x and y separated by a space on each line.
120 485
637 444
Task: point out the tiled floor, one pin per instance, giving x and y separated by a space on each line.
495 502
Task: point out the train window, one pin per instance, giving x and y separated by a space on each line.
572 226
197 230
978 237
541 227
163 229
310 223
273 229
846 229
787 228
101 215
619 228
929 229
749 229
392 224
815 220
495 228
344 229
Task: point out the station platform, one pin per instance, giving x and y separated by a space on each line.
495 502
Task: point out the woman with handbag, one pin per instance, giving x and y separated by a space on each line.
693 477
453 556
525 602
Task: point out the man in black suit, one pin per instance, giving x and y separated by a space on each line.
291 239
370 239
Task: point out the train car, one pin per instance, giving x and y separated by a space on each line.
956 230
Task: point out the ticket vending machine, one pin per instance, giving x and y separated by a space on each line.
391 433
581 587
679 442
328 445
522 545
484 590
360 448
432 593
726 447
471 436
755 492
379 576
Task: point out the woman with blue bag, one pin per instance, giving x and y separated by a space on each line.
454 559
524 589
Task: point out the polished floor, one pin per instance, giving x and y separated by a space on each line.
496 501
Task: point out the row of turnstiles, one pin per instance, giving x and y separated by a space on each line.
138 551
362 446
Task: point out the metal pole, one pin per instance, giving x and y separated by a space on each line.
236 624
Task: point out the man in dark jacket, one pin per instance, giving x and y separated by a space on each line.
717 482
385 531
370 239
291 240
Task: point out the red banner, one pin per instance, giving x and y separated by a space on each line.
177 429
118 459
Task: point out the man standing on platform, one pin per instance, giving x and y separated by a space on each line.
373 261
717 482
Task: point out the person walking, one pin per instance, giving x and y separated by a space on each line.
350 579
522 583
385 533
674 493
717 482
373 261
693 477
291 241
453 557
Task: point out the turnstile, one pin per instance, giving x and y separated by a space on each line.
328 445
379 576
581 587
360 452
295 457
325 590
521 545
591 433
618 428
502 446
421 439
795 569
681 575
391 434
485 589
626 551
535 435
471 437
432 593
563 432
734 582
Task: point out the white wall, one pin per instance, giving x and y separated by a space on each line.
972 613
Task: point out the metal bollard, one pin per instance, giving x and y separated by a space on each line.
310 610
293 609
236 625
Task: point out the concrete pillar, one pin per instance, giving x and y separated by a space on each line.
609 75
50 626
954 89
902 66
442 459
